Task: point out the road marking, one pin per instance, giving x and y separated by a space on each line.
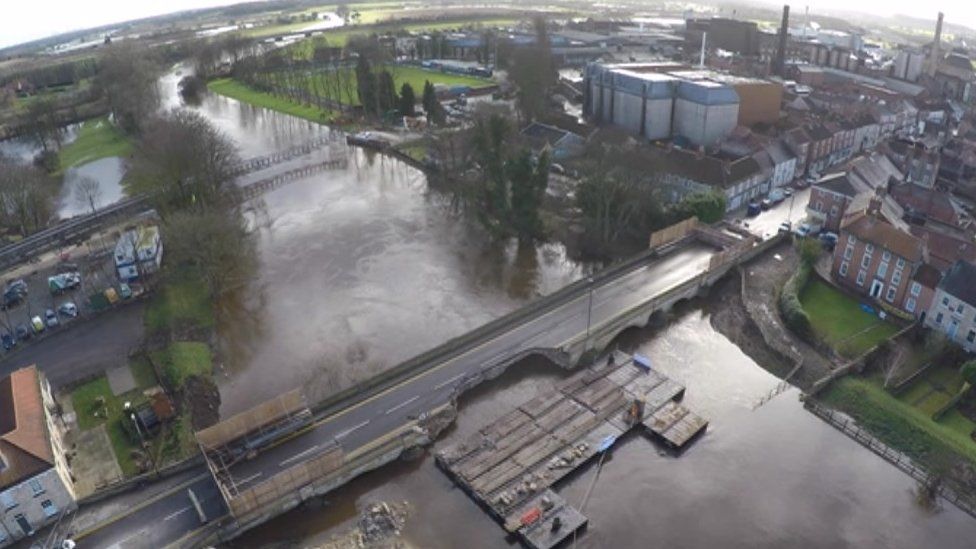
177 513
348 431
299 455
401 405
448 382
250 478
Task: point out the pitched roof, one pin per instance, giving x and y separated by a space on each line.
958 282
24 439
928 202
945 245
927 276
709 170
871 229
838 183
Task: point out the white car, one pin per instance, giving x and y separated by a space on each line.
803 230
68 309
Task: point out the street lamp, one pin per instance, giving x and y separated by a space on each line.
589 312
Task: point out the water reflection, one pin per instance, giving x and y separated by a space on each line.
107 172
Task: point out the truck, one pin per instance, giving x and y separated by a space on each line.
63 282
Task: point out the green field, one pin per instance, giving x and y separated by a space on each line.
899 424
934 389
415 76
839 321
181 360
183 301
96 139
235 90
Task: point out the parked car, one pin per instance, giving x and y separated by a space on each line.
23 332
62 282
37 324
753 209
785 226
777 196
8 341
12 298
67 268
829 240
766 203
51 318
805 229
125 292
68 309
787 192
18 286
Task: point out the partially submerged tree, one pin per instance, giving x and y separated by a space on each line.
215 243
88 193
44 124
127 77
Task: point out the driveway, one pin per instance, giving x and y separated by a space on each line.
88 347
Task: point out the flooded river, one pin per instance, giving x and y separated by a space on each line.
364 267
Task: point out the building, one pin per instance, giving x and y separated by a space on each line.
35 481
953 311
876 259
829 199
704 111
630 97
909 64
686 172
563 143
138 252
732 35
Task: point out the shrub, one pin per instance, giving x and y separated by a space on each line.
790 308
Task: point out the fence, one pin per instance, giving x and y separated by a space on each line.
258 188
949 490
673 233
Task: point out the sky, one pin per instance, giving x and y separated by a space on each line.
25 20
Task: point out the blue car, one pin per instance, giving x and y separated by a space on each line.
7 341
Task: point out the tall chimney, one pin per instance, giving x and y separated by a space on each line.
701 64
779 63
935 54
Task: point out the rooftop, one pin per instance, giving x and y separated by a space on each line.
837 183
869 228
24 440
958 282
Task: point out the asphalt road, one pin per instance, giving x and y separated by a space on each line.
88 347
170 517
162 521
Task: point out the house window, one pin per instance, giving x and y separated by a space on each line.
916 287
882 269
36 486
890 296
849 251
910 305
900 263
869 248
833 211
7 500
938 318
865 261
971 336
945 301
861 275
886 255
851 239
960 308
896 277
843 268
49 508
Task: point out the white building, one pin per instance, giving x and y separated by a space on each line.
35 481
138 251
705 111
953 310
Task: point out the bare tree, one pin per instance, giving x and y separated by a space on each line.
127 77
26 197
88 193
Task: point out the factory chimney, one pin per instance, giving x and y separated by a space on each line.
935 54
779 62
701 64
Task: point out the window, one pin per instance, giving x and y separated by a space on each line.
36 486
865 261
938 318
49 508
843 268
851 239
971 336
7 500
890 296
849 251
910 305
960 308
861 275
896 277
916 288
886 255
833 211
945 301
869 248
819 206
900 263
882 269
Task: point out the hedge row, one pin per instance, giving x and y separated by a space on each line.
790 308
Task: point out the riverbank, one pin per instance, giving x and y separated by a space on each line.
97 138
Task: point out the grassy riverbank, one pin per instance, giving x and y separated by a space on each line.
840 322
235 90
96 139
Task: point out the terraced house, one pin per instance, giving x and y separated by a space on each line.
953 311
35 482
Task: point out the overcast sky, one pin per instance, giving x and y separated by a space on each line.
25 20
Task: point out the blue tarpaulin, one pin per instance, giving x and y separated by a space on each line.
642 361
606 443
867 309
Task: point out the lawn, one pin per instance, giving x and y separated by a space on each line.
839 321
934 389
96 139
182 359
901 425
85 399
415 76
241 92
183 301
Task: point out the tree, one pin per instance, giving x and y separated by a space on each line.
44 124
366 86
432 107
342 10
533 72
529 181
88 193
387 99
709 206
968 372
809 250
215 244
127 78
184 162
26 197
408 100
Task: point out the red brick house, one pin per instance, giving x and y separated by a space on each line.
877 260
829 199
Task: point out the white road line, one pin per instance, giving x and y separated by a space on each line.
177 513
448 382
402 404
250 478
299 455
351 429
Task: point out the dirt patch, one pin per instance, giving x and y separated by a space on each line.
202 399
379 527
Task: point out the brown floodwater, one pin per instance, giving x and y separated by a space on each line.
364 267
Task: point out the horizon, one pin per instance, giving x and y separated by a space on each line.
21 24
